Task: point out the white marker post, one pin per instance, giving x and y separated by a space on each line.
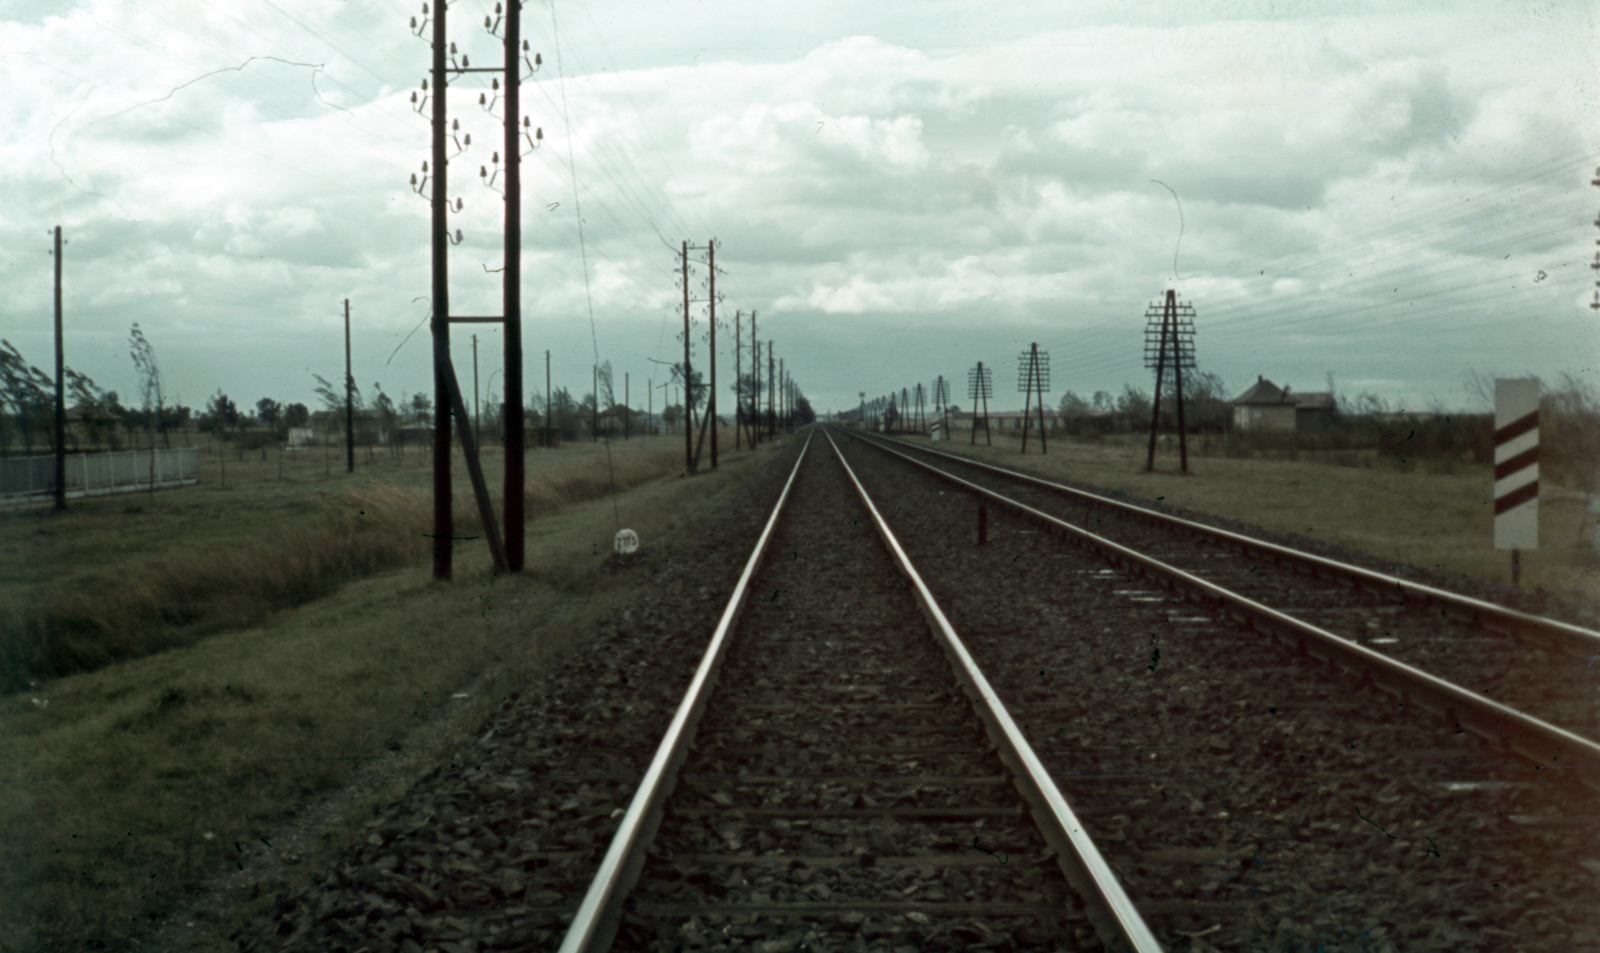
1516 469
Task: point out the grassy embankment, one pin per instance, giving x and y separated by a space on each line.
216 708
1435 514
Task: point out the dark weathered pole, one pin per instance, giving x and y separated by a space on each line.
349 399
772 378
1177 378
1161 361
989 437
738 400
755 384
480 488
443 519
594 425
477 416
711 355
61 393
627 408
1044 447
516 444
1027 400
688 431
549 414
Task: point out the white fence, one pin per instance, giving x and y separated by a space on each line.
95 474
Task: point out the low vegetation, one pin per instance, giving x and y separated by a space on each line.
120 577
130 785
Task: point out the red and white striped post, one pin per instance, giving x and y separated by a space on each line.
1516 469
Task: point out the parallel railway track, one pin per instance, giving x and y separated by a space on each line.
1503 663
838 794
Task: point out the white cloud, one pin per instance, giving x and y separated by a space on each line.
1382 178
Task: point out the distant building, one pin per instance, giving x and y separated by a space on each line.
1266 407
91 424
1003 420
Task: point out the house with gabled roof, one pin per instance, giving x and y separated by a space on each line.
1266 407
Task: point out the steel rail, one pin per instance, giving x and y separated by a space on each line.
1539 741
595 923
1496 617
1115 919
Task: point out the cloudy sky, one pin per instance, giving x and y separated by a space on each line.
899 189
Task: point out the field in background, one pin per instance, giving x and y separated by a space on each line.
128 786
1435 513
119 577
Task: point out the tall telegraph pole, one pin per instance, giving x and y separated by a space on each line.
688 431
516 445
738 400
349 399
61 393
755 384
443 520
711 400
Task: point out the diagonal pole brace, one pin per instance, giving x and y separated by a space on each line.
469 448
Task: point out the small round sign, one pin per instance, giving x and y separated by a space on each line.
627 541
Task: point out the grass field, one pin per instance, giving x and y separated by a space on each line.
117 577
128 785
1436 514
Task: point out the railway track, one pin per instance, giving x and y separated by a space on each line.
1530 664
839 796
833 776
1313 798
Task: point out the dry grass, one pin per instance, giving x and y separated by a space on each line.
142 779
1434 514
117 578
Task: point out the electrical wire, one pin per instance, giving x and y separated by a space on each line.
588 295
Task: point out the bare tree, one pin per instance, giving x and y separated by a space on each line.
151 398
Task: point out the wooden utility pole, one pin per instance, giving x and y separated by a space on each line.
772 416
711 400
515 489
549 412
688 432
61 394
738 399
443 515
349 399
979 386
627 408
1172 342
594 425
1033 374
755 384
477 416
